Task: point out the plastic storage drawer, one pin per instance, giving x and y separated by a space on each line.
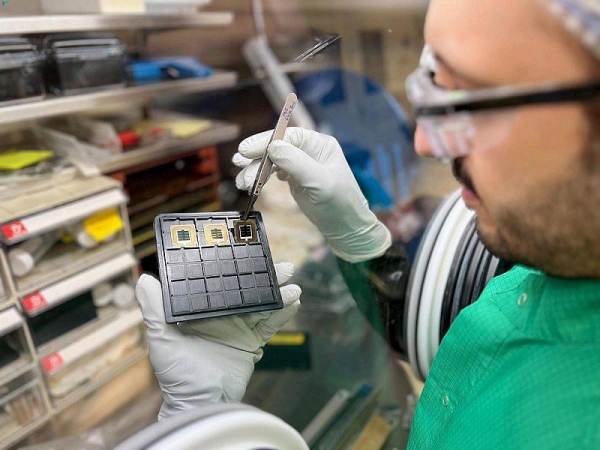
14 350
79 64
21 403
45 247
88 362
93 294
21 69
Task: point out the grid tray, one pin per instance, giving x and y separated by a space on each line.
208 267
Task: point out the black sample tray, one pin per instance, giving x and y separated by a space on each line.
212 264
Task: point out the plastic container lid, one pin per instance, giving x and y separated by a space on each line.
16 52
85 46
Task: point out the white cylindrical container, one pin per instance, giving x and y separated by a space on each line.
83 238
23 257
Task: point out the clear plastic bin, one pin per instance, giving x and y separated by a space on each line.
21 67
48 246
90 360
14 351
21 403
79 64
93 294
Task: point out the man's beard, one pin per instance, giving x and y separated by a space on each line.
557 231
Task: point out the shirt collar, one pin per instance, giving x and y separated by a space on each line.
553 308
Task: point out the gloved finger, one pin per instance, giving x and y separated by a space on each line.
148 292
284 271
240 161
289 295
267 328
245 179
254 147
282 175
300 167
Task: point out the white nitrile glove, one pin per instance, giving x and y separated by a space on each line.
211 360
324 187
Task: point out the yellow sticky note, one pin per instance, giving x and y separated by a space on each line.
178 128
19 159
187 128
104 224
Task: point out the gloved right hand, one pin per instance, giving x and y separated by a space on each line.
324 187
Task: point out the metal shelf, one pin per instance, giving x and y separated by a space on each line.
56 106
96 22
218 132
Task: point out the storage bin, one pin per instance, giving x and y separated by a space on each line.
44 247
92 294
21 69
14 351
78 64
21 403
92 359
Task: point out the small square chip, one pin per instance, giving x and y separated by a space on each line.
216 234
184 236
245 231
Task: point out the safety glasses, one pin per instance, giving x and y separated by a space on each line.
458 122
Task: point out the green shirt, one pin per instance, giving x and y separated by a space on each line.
520 368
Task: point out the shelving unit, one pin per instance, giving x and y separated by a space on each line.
97 22
218 132
42 206
51 107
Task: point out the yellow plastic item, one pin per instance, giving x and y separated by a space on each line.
180 129
104 224
288 339
19 159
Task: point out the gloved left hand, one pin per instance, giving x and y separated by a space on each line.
211 360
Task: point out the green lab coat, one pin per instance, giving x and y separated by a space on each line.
520 368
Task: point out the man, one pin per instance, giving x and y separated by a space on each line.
509 91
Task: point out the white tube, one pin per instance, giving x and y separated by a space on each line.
23 257
84 239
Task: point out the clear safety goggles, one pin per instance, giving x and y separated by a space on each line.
459 122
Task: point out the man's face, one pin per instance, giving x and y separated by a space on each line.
537 193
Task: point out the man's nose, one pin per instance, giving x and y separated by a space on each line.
422 145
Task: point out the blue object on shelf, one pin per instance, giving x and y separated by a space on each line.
160 69
372 128
361 163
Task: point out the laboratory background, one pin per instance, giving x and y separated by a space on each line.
115 112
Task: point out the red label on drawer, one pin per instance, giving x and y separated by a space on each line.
52 362
33 302
13 230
